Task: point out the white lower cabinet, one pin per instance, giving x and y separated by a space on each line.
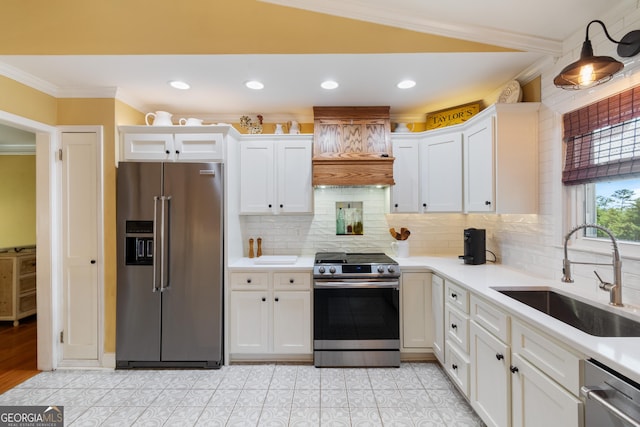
537 400
490 377
512 374
417 326
456 335
249 322
270 313
437 309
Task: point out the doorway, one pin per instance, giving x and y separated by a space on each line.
46 238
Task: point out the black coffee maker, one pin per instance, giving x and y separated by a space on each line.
475 246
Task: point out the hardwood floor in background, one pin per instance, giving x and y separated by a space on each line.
18 352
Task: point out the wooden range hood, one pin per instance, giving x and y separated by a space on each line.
352 146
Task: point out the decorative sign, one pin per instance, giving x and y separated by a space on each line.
452 116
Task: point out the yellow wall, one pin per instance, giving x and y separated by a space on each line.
17 201
21 100
200 27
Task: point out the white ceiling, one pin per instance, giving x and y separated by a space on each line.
292 81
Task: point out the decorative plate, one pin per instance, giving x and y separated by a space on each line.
511 93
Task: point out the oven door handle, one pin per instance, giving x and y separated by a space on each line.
600 396
355 285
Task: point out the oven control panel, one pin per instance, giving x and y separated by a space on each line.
356 270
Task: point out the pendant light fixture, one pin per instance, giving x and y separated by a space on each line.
591 70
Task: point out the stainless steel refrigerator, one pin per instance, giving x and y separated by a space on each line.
170 265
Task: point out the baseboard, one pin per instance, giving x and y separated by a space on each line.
109 360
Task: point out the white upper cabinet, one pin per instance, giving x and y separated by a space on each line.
487 164
501 160
173 143
441 174
275 175
428 172
405 194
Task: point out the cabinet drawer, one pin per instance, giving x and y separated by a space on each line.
27 265
456 296
27 303
562 365
27 284
457 366
292 281
490 317
456 325
249 280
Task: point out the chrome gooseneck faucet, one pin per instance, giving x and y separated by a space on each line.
615 288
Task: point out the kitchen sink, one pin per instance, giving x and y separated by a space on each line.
574 312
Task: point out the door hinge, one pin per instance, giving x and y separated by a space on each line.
62 337
60 154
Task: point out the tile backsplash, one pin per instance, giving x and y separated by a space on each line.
431 234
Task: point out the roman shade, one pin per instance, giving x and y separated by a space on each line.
603 139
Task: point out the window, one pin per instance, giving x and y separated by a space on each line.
614 205
602 164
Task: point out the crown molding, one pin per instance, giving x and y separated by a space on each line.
397 18
28 79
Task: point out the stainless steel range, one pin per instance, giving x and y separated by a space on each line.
356 310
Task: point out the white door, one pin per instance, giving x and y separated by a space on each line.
406 173
292 322
295 193
539 401
417 326
257 195
479 167
80 189
441 173
490 377
249 322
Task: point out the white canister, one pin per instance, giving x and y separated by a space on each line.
279 130
160 118
191 121
400 248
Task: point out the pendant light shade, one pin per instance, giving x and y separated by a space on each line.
591 70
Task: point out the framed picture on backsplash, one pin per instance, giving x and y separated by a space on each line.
349 218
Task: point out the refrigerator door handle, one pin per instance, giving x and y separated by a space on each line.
164 261
155 241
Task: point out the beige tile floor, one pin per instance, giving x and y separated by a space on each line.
416 394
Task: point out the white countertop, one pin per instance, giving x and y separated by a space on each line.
621 354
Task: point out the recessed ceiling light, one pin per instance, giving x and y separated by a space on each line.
177 84
406 84
254 84
329 84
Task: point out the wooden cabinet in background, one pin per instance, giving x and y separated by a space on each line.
352 146
17 286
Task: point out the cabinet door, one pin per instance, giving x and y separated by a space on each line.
249 322
539 401
437 308
256 177
406 173
295 192
490 377
198 146
479 167
292 322
148 146
441 173
417 327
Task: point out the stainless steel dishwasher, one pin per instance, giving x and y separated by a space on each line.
611 399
